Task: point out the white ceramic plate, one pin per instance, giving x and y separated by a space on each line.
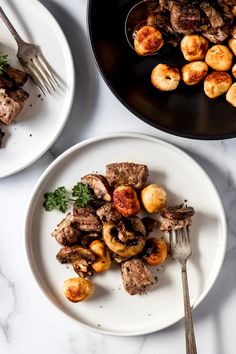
42 119
111 310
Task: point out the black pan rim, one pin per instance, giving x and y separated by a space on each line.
135 113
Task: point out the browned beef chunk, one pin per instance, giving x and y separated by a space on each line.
5 84
185 18
126 173
217 35
11 104
86 219
136 277
65 233
108 212
19 77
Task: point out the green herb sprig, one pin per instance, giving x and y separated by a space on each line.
3 62
61 197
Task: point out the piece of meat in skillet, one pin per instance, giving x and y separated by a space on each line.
185 18
136 277
127 173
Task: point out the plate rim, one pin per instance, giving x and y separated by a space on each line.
71 92
93 140
129 108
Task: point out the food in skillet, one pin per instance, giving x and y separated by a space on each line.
105 227
204 32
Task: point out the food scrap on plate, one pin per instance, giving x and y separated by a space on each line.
105 227
12 95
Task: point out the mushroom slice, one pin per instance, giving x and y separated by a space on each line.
77 289
177 212
99 185
125 249
66 233
71 254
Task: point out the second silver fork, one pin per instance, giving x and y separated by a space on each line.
32 60
181 250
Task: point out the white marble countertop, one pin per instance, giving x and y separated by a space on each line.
28 323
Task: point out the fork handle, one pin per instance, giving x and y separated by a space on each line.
11 28
189 331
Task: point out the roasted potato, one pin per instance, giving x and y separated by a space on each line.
103 256
155 251
153 198
231 95
148 40
126 201
77 289
194 47
165 77
232 45
219 57
217 83
234 70
195 72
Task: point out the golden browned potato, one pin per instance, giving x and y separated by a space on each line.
232 45
234 70
231 95
217 83
155 251
77 289
194 72
148 40
126 201
103 256
153 198
165 77
219 57
194 47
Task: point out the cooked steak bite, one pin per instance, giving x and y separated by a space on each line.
5 84
65 233
136 277
86 219
185 18
127 173
108 212
11 104
73 253
19 77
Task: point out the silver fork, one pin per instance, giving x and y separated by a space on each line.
181 250
32 60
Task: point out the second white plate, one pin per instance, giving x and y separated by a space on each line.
42 118
111 310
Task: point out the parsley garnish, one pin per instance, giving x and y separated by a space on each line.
60 197
82 194
3 62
